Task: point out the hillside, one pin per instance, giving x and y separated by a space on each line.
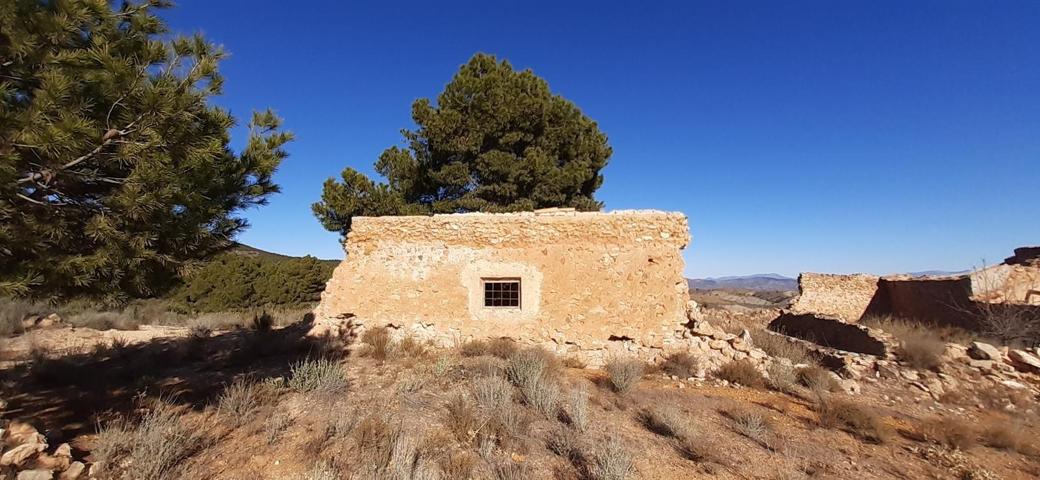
758 282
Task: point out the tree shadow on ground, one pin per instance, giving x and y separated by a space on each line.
70 395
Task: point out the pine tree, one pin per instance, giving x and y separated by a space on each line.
114 169
497 140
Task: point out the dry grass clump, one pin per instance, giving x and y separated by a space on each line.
492 392
322 471
624 373
782 377
663 420
509 470
503 348
462 418
577 408
153 447
779 347
484 366
1009 435
240 399
680 364
611 461
317 376
411 347
818 379
565 443
527 366
922 350
859 420
741 372
377 341
950 432
543 395
457 464
754 426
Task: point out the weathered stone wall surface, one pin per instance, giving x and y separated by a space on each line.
1015 283
844 296
588 279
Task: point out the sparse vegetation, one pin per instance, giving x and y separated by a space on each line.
377 340
751 424
240 399
462 419
611 461
741 372
857 419
527 366
624 373
1009 435
320 376
922 350
577 408
951 432
778 346
154 446
680 364
663 420
818 379
782 377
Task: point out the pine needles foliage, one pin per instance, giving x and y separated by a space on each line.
497 140
114 169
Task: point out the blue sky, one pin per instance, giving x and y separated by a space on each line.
854 136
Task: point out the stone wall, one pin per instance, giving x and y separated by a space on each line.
844 296
589 281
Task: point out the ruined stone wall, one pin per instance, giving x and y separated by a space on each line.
943 301
844 296
588 279
1016 283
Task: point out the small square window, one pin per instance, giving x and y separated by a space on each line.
502 292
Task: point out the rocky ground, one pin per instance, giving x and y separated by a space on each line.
176 403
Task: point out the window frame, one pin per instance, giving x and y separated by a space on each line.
503 294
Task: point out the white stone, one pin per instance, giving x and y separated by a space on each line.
983 351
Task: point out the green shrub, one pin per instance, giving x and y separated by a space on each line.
232 281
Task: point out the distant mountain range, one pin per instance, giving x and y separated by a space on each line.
774 282
758 282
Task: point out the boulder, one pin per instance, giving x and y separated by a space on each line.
19 433
63 450
35 475
1024 361
981 364
51 321
983 351
21 454
75 471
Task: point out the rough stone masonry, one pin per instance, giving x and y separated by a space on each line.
580 282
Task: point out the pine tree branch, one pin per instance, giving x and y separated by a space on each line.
110 137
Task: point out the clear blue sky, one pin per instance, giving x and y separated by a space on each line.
832 136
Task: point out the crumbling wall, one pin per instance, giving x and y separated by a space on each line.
1017 283
588 279
831 332
944 301
844 296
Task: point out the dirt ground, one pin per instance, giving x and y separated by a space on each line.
58 382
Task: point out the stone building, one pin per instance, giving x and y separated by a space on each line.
571 281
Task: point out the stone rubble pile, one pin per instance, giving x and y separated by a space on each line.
27 456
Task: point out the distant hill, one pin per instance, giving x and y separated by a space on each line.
936 273
253 252
759 282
